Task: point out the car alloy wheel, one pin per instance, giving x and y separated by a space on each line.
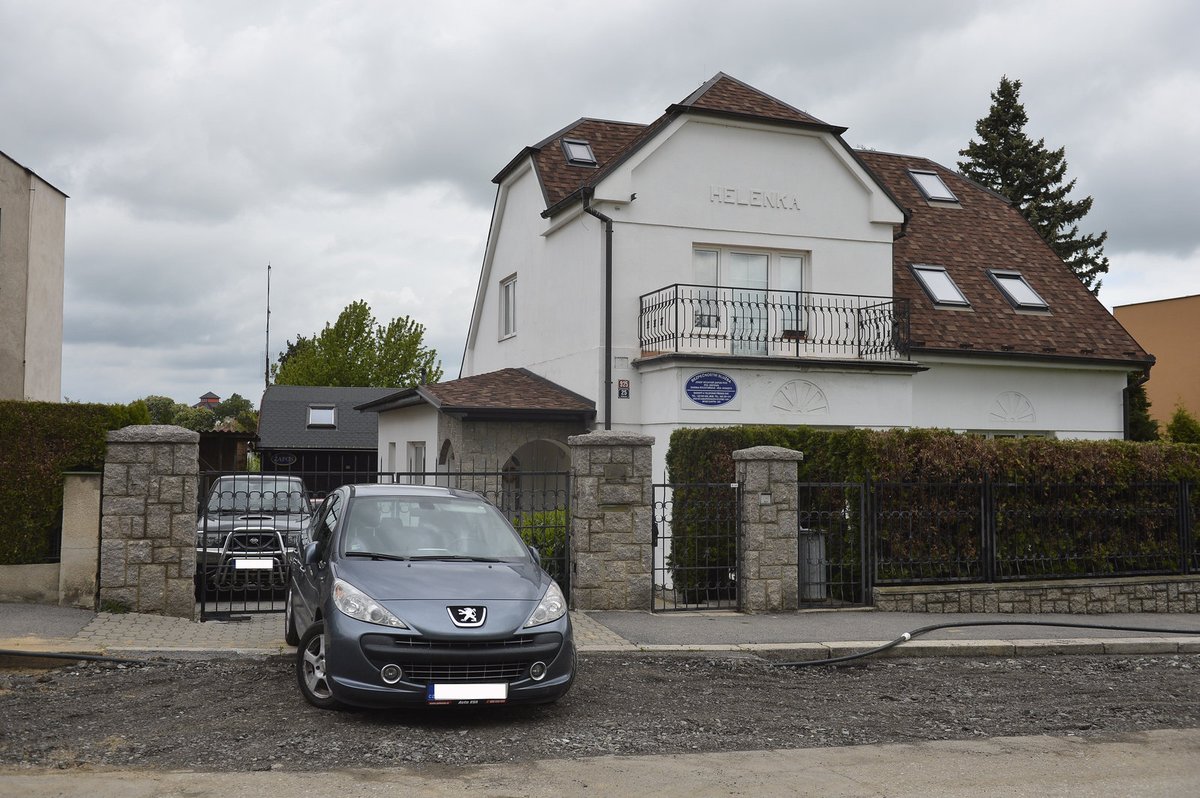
310 668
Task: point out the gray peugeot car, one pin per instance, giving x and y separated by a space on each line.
412 594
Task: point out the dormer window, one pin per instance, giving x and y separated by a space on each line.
932 186
1017 291
322 417
940 286
578 152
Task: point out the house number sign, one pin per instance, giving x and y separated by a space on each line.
710 388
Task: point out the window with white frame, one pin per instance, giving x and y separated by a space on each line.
750 295
1017 290
322 417
508 306
940 286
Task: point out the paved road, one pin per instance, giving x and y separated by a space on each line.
1148 765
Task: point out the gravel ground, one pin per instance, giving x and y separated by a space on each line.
247 714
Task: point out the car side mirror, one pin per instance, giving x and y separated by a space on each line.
312 553
537 555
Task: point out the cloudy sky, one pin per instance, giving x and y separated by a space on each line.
351 144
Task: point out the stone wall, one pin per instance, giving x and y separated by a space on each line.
148 520
1075 596
612 505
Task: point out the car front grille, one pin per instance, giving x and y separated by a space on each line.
423 659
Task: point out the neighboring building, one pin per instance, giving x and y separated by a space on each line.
33 218
209 400
737 262
317 433
1170 328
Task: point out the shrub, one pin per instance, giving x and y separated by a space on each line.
39 441
546 531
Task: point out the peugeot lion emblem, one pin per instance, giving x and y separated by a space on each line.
467 617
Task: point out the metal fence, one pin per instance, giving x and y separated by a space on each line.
749 321
241 554
695 534
854 536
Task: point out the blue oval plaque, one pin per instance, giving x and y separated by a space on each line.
710 388
283 458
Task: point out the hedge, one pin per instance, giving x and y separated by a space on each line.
1100 524
39 441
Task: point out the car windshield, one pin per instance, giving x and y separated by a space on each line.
430 528
253 494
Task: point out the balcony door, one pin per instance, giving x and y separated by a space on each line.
746 275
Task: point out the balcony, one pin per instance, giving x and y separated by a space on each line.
752 322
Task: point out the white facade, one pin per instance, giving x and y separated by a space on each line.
748 206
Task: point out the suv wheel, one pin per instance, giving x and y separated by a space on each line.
290 635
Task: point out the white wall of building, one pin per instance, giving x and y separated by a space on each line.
1020 397
399 428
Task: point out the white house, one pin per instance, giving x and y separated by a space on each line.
735 261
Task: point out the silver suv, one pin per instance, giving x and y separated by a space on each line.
246 528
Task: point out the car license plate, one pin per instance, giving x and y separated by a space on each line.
467 693
253 563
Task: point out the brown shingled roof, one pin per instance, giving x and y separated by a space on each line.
728 95
561 179
983 231
505 392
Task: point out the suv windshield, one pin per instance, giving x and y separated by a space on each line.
436 528
258 495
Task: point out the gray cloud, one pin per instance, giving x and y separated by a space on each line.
352 144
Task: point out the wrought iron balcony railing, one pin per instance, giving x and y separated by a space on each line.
708 319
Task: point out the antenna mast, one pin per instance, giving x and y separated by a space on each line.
267 353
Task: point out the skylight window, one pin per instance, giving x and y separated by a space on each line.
940 286
932 187
322 416
579 152
1018 291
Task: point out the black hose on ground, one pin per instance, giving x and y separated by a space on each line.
904 638
7 652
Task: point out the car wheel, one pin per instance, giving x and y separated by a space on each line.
290 635
310 668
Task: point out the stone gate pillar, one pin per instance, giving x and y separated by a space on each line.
768 571
148 520
612 507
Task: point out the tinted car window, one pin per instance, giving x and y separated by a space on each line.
258 494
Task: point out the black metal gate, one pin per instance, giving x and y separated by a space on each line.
247 523
834 552
695 533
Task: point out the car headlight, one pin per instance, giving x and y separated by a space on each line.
358 605
552 607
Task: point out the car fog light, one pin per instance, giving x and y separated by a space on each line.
391 674
537 671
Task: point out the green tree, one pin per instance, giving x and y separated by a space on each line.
197 419
356 350
162 409
236 414
1183 426
1141 426
1006 160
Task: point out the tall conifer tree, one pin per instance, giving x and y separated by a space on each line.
1007 161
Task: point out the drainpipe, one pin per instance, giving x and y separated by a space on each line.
608 355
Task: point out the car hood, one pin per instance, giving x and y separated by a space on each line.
421 593
222 522
442 581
